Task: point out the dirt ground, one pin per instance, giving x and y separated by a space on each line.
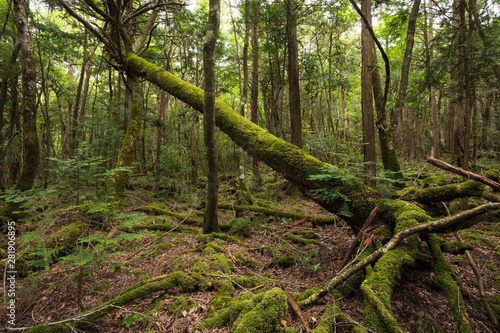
64 289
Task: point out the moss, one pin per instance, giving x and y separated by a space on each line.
212 248
492 267
448 192
102 286
245 261
303 241
221 263
180 305
49 329
444 278
241 227
478 240
266 315
493 174
454 247
377 287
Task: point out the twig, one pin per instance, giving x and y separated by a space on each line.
80 317
360 235
296 308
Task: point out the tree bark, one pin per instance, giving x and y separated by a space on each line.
127 151
31 150
293 77
463 172
367 59
254 116
210 221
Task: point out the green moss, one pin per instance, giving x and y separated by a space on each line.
221 263
377 287
266 315
303 241
180 305
102 286
245 261
48 329
454 247
492 267
478 240
450 288
241 227
493 174
212 248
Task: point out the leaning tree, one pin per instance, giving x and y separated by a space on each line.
408 223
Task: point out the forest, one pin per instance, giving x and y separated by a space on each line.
250 166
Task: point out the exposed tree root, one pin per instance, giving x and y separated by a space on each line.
411 212
449 286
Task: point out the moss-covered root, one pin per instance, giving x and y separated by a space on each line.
333 316
444 278
262 313
141 290
377 287
448 192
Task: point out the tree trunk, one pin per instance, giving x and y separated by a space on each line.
293 77
367 56
31 150
127 151
210 221
254 115
432 94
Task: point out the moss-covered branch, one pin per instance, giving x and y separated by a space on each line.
448 192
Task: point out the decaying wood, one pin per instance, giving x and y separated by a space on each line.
429 227
296 308
359 236
462 172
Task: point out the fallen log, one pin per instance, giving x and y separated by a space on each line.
316 220
462 172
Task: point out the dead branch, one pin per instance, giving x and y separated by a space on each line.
462 172
296 308
359 236
429 227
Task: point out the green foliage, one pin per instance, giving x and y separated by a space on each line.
332 193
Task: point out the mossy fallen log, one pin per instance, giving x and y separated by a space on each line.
260 313
430 195
294 163
154 210
316 220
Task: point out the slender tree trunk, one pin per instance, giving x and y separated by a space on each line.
210 221
254 115
31 149
367 56
293 77
127 151
435 152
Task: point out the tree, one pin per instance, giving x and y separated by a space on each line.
210 221
31 159
293 75
368 57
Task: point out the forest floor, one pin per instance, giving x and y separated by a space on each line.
264 248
